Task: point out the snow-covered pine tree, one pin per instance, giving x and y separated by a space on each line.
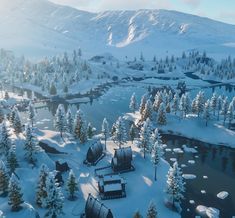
12 162
6 97
147 112
15 196
156 137
213 103
90 131
161 118
41 193
132 133
72 185
133 103
175 185
83 135
193 106
145 137
175 104
12 115
152 211
142 103
70 121
206 113
200 101
158 99
219 106
5 141
31 146
78 123
60 121
105 130
32 113
53 90
156 154
54 200
182 106
230 113
4 179
120 134
17 125
224 110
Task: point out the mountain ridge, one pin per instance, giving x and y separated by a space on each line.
50 28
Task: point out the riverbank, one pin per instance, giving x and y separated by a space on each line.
194 128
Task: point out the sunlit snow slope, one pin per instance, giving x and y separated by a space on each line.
39 27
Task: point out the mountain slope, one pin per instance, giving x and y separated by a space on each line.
39 27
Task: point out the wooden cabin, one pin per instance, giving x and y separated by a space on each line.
95 209
122 160
112 186
94 153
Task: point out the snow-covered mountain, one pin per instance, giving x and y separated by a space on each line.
39 27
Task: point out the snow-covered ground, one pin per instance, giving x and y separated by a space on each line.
140 188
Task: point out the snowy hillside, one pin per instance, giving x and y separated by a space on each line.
39 27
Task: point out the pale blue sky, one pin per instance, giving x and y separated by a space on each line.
223 10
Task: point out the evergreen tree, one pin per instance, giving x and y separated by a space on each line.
12 162
15 196
145 137
175 105
187 103
83 135
147 112
199 103
161 119
230 113
137 215
31 146
41 193
17 122
213 103
142 104
5 141
152 211
32 113
157 101
4 179
53 90
182 106
133 103
12 115
72 185
132 133
120 135
78 124
156 137
175 184
219 106
206 114
90 131
157 153
70 121
224 110
60 121
54 199
105 130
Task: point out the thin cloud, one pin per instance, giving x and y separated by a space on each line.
192 3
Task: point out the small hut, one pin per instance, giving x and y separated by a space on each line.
95 209
122 160
112 186
94 153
